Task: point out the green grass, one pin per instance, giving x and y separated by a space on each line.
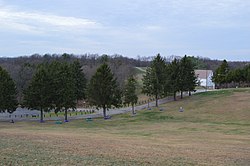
214 94
212 130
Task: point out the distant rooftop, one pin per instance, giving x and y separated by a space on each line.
203 74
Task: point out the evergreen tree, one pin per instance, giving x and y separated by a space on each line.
154 80
247 73
103 90
197 62
221 72
8 92
130 96
192 82
39 94
52 87
80 80
173 77
24 77
238 76
188 80
230 76
65 90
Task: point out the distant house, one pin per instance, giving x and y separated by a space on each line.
205 78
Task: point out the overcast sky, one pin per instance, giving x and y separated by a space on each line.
217 29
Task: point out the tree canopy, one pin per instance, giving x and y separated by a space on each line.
162 79
173 77
65 90
154 79
103 90
221 73
8 92
56 85
130 96
226 77
187 77
80 80
39 94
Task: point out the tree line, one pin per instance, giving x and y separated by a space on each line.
58 85
226 77
21 69
164 79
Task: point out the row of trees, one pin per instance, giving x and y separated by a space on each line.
225 77
162 79
58 85
8 92
22 69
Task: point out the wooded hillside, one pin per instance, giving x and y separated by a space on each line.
21 69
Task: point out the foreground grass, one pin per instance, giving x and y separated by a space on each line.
212 130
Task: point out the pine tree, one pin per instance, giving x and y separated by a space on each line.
8 92
173 77
103 90
80 80
52 87
65 88
188 80
192 81
24 77
154 80
39 93
130 96
221 72
247 73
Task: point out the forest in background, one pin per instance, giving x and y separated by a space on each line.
21 69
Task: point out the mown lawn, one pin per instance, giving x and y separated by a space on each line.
214 129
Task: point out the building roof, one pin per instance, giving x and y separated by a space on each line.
203 74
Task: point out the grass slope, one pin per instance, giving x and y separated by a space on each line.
212 130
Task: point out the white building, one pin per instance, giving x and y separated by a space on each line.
205 78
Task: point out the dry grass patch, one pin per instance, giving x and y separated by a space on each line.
213 130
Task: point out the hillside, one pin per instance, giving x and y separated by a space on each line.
22 69
212 130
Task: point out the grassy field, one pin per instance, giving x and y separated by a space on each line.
214 129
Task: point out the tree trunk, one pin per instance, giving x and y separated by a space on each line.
189 93
174 96
133 109
104 111
41 116
156 100
66 115
181 94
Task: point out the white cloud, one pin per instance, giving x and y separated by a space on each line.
128 27
41 22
